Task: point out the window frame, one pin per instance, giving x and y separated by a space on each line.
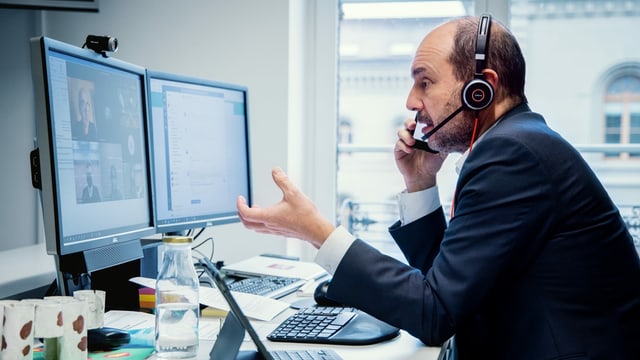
626 103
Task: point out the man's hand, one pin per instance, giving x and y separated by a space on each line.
295 216
418 167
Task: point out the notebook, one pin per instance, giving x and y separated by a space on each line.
227 345
261 265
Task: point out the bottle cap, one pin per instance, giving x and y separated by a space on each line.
177 239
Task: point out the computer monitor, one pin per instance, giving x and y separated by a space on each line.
92 159
200 141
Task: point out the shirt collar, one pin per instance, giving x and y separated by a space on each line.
464 156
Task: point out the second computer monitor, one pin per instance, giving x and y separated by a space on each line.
200 146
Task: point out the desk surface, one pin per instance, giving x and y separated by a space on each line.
403 347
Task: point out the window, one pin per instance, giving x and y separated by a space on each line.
377 44
568 46
622 113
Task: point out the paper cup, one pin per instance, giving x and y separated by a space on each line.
47 319
48 325
2 304
96 301
17 331
72 345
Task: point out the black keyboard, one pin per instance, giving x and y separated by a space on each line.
333 325
269 286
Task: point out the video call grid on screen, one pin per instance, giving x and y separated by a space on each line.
99 148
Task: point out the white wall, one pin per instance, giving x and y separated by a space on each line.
17 130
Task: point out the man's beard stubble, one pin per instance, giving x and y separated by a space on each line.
456 135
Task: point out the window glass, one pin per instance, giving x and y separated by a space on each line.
624 85
579 77
622 107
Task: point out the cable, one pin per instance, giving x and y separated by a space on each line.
199 233
195 247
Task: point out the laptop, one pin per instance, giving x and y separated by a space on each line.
227 345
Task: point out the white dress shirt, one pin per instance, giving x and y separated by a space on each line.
412 206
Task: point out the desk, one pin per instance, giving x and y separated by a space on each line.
403 347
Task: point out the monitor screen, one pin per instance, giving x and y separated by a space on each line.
93 155
200 142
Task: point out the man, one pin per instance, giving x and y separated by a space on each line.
535 263
90 192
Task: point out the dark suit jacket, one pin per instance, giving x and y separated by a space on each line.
535 264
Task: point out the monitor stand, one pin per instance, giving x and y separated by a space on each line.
72 282
71 274
107 268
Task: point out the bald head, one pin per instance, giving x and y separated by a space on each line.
435 49
455 42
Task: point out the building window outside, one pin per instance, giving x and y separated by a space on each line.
622 114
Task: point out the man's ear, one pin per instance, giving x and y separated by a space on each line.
491 77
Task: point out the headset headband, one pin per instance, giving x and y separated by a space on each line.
481 43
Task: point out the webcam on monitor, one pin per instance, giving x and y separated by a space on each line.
101 44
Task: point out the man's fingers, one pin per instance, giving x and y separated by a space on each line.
282 180
241 205
410 124
249 214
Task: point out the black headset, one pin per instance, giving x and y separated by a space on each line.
477 94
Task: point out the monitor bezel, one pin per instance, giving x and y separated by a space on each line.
208 220
41 47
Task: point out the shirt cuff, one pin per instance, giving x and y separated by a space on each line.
333 250
412 206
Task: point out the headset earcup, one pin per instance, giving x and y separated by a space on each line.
477 94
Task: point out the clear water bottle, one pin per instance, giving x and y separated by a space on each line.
177 301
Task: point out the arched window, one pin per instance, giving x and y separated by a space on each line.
622 112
